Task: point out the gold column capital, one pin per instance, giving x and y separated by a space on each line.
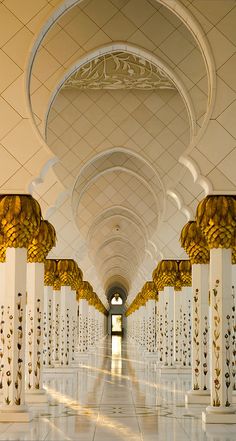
50 269
185 272
20 218
2 248
194 243
42 243
216 216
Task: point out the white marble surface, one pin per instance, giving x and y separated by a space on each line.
116 396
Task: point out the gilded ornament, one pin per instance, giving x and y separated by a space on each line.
50 268
194 243
216 216
42 243
68 272
20 219
166 273
2 248
185 272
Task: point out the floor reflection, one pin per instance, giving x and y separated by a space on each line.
116 359
115 394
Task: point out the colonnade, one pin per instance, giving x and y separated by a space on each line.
160 320
183 319
194 310
40 307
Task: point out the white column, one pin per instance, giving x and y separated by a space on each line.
142 312
34 327
160 331
83 326
221 410
200 331
234 327
177 334
151 326
90 326
186 330
14 306
56 311
168 326
2 294
64 326
73 327
48 312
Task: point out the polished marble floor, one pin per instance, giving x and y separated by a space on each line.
115 395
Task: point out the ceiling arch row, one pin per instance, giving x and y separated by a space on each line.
82 124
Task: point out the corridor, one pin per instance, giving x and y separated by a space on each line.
115 395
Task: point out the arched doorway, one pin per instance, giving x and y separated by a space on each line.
117 319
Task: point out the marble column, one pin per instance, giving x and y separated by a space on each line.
73 306
168 320
195 245
151 326
65 323
14 312
160 329
20 222
48 318
221 409
234 322
56 325
83 326
186 327
216 217
2 294
200 392
177 332
34 327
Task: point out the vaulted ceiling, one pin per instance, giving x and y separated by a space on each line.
120 117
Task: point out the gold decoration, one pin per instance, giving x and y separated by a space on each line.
194 243
234 256
216 216
67 269
50 268
84 291
20 219
42 243
185 271
149 291
2 249
57 284
78 277
178 284
166 272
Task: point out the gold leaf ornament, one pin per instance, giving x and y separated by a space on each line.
50 272
194 243
20 217
42 243
216 216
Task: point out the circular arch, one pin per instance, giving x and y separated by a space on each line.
134 50
176 8
123 212
121 290
118 239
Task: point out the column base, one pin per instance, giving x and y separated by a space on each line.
197 397
15 414
219 415
36 396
